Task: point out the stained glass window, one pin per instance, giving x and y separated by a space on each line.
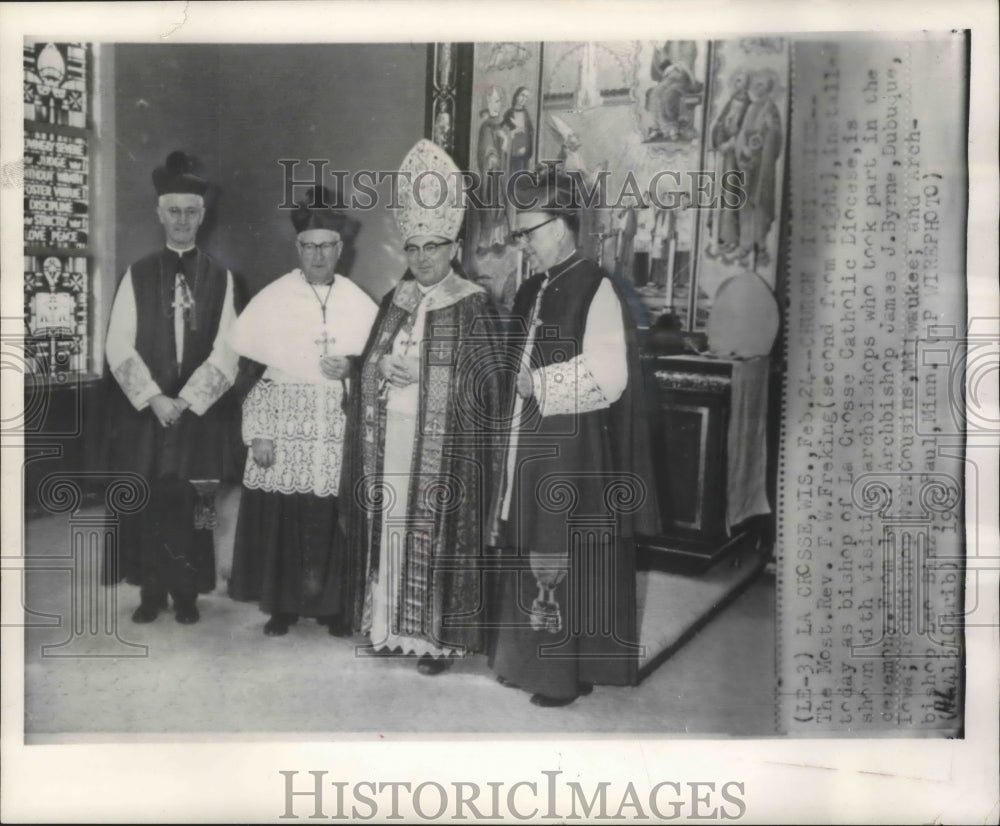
58 262
55 306
55 83
56 190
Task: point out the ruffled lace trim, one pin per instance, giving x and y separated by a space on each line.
306 423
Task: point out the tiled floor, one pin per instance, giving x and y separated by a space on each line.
223 675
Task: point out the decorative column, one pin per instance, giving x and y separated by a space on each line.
594 576
912 510
93 611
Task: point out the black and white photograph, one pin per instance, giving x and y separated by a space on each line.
423 411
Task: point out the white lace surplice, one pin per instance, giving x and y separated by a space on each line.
294 404
306 422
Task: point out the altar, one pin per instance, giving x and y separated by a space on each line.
709 434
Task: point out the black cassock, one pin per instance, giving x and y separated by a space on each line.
162 548
584 487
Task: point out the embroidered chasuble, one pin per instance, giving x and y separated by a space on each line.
424 467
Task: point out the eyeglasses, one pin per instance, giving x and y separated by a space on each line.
429 248
191 213
326 247
520 236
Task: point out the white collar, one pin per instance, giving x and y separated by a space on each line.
561 261
426 290
181 252
309 283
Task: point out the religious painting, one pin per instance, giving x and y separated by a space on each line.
672 100
678 141
502 141
685 139
627 116
745 146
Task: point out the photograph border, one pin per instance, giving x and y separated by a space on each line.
211 778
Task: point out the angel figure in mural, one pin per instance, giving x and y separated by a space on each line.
725 131
517 122
758 147
672 101
520 133
493 152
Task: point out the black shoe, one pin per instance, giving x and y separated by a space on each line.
153 598
551 702
278 625
334 625
145 613
544 701
506 683
429 666
186 613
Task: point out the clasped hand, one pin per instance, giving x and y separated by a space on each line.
399 371
334 367
167 410
263 452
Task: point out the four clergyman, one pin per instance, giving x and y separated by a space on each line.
420 472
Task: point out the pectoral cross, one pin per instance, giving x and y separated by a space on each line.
183 304
184 301
325 341
407 343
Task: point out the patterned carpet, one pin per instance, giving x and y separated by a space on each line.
223 676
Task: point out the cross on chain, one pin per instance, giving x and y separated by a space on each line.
185 302
326 341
